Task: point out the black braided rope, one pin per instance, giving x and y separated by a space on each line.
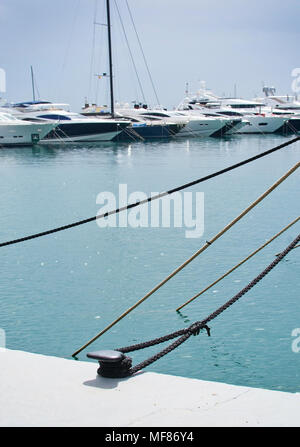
149 199
195 328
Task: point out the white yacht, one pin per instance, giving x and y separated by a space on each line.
15 132
70 126
226 123
285 106
191 125
259 119
141 128
283 103
197 125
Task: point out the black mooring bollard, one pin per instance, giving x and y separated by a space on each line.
113 364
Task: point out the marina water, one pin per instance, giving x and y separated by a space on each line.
59 291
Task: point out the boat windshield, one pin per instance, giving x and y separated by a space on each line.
56 117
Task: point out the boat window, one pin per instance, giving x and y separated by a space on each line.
52 116
225 112
33 120
151 118
164 115
244 106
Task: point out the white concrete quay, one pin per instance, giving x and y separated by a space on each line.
37 390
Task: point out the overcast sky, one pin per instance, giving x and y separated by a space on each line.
224 42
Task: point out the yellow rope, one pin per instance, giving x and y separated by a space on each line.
181 267
240 263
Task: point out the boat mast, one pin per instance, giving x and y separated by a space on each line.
110 60
32 81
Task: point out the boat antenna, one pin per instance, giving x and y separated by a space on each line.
110 59
32 82
186 89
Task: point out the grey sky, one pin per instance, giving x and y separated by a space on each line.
222 42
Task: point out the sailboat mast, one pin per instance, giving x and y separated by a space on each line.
32 81
110 60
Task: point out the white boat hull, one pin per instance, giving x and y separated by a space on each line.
23 134
82 138
69 127
260 124
201 127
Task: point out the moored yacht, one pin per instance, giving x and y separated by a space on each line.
291 126
224 125
190 124
195 125
15 132
292 123
141 127
259 119
287 103
286 106
70 126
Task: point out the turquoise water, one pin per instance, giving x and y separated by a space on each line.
59 291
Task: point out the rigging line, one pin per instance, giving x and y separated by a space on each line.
292 127
63 137
191 132
195 255
93 50
258 128
149 199
66 55
99 61
130 52
240 263
132 133
172 133
143 54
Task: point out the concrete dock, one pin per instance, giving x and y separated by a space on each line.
40 391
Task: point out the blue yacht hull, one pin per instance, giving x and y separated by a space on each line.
147 132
